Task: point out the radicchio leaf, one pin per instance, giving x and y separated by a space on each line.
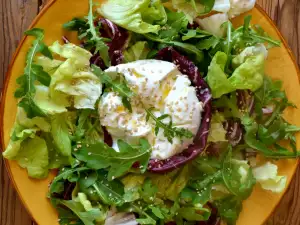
187 67
245 101
214 219
107 137
119 38
234 131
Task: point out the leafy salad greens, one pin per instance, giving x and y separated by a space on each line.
242 130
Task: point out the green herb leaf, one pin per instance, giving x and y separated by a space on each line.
88 31
100 156
32 73
110 192
86 217
169 130
118 85
229 209
239 186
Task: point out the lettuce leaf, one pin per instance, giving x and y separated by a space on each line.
44 101
216 77
222 6
72 78
193 8
214 24
24 128
217 132
267 176
33 156
249 51
71 51
49 65
135 15
250 74
137 51
60 134
36 122
14 146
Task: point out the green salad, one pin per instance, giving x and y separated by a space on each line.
158 116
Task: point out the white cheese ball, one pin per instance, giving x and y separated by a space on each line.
157 84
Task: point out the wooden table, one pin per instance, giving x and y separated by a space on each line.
16 16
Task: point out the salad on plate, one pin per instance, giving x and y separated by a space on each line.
162 114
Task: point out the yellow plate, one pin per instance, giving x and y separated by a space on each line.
280 65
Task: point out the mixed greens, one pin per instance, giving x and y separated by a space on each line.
58 127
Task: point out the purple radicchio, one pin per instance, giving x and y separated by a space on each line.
119 39
245 101
234 131
187 67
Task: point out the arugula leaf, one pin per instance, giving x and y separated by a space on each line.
148 191
237 185
186 47
229 209
66 174
194 213
101 156
169 130
33 72
252 141
95 40
248 35
263 132
198 33
90 32
86 217
208 43
110 192
198 196
118 85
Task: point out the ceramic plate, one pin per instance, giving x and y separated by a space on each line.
280 65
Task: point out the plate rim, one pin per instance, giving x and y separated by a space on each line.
17 51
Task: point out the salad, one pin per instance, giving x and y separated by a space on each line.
158 116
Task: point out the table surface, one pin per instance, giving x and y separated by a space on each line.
16 16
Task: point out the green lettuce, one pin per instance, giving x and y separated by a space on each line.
135 15
44 101
24 128
249 51
137 51
73 78
156 13
36 122
132 184
33 148
217 78
20 134
217 132
268 178
193 8
171 184
33 156
60 134
248 75
49 65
